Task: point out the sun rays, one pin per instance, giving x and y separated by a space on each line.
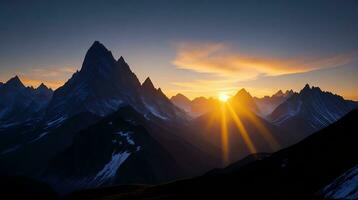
234 112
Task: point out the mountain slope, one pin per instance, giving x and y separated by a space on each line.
310 110
117 149
297 172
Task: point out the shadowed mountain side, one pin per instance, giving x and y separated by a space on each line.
297 172
27 149
124 148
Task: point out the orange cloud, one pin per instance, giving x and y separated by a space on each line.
219 59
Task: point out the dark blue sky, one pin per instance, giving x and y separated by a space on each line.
41 37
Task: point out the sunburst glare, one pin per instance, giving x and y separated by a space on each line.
223 97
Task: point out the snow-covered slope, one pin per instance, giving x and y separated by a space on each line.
344 187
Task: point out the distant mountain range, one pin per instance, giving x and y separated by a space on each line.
282 109
19 103
268 104
103 127
310 110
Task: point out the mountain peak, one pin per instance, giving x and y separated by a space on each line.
97 56
42 86
180 96
148 84
121 60
243 93
98 48
307 86
278 94
15 82
97 44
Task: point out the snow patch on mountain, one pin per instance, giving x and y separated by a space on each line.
39 137
12 149
110 169
56 121
154 111
127 136
344 187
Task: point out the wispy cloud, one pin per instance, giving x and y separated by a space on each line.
231 68
219 59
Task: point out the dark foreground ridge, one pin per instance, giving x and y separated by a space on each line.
298 172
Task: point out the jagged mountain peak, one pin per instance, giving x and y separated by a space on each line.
278 94
15 82
121 60
288 92
98 46
103 85
97 58
148 84
42 89
42 86
307 87
162 93
243 94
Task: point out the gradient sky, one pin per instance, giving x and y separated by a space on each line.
198 48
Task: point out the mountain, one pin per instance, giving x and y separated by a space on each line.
202 105
76 122
298 172
182 102
244 99
103 85
267 104
19 103
310 110
196 107
158 104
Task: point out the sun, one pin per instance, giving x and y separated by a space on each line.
223 97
